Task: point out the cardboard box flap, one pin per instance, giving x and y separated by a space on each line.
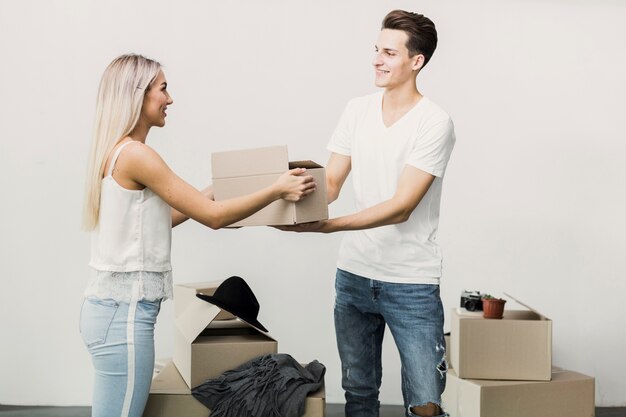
508 314
304 164
196 318
525 305
249 162
184 294
169 381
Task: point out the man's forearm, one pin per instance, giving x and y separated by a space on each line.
383 214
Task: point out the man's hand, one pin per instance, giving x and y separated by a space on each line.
314 227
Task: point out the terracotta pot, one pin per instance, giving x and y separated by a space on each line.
493 308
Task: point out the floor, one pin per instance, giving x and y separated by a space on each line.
332 410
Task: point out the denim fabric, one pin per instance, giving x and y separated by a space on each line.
120 338
414 314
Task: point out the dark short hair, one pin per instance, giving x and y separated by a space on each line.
420 30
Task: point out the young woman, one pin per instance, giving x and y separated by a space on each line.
132 201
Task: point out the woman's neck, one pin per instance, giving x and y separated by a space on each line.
140 132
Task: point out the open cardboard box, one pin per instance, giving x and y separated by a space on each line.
171 397
568 394
517 347
204 346
236 173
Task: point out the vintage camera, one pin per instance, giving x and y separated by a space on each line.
471 301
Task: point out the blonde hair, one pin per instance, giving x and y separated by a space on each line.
118 108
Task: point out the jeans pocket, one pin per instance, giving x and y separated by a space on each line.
96 317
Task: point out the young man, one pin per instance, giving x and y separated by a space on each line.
397 144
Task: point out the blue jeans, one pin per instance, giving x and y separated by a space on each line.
120 339
414 314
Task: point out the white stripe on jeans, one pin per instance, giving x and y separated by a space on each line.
130 345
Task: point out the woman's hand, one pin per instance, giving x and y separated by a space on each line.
294 185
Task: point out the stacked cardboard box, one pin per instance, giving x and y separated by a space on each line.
504 368
207 342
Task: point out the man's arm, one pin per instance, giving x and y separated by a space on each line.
412 186
337 171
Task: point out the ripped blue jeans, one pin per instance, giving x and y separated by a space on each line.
414 314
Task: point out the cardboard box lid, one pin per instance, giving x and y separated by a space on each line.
508 313
519 315
304 164
258 161
526 305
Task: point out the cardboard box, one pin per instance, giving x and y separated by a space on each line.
236 173
205 347
517 347
568 394
171 397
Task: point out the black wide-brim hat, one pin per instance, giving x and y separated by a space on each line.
235 296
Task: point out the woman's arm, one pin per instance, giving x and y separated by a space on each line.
143 165
178 217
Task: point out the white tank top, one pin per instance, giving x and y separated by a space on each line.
134 231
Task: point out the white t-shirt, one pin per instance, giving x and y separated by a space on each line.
424 137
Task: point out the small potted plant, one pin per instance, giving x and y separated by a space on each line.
493 308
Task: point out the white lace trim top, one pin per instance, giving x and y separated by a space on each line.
131 243
118 286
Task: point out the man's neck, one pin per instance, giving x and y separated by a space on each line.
401 97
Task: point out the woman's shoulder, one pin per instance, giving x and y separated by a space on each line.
137 152
137 160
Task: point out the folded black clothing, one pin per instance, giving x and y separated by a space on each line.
268 386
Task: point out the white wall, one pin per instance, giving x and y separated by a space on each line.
534 197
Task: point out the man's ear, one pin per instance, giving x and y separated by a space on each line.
418 62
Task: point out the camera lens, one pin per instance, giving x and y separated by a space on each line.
470 305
